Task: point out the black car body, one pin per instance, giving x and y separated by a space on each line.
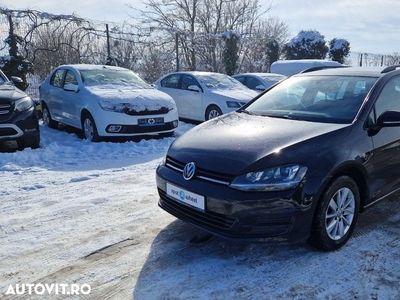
18 115
297 163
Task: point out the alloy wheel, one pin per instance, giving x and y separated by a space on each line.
340 213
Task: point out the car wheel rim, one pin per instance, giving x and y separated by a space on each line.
340 213
213 114
88 129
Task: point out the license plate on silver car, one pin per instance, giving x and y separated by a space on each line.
151 121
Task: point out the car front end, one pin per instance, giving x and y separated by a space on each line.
245 187
134 113
116 124
18 118
211 203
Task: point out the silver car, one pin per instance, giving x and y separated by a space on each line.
259 81
106 101
201 96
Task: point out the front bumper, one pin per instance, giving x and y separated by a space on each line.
257 216
129 126
20 126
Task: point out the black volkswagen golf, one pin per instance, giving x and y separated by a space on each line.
298 163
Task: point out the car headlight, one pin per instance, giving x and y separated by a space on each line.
23 104
233 104
108 105
272 179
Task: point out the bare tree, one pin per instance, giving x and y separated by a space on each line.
393 59
194 29
256 43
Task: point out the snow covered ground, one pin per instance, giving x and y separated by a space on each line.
82 217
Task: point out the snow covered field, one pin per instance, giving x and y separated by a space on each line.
81 216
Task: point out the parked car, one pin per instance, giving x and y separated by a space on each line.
259 81
290 170
294 66
202 96
18 115
106 101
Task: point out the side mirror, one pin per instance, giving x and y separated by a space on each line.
389 118
16 79
71 87
18 82
260 87
194 88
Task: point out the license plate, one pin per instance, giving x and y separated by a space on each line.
151 122
186 197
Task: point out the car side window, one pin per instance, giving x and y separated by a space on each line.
171 81
252 83
240 79
57 78
389 98
187 81
70 78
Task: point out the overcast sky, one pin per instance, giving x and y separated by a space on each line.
370 26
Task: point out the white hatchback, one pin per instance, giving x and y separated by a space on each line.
106 101
201 96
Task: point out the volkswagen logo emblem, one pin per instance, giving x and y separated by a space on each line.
189 170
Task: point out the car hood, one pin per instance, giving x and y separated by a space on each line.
122 98
237 142
241 95
9 92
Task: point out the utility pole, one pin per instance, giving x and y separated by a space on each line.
177 50
109 60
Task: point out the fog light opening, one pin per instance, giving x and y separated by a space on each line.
114 128
175 123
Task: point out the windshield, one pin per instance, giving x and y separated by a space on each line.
95 77
220 81
328 99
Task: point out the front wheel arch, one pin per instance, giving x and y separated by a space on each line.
46 117
336 214
212 111
89 127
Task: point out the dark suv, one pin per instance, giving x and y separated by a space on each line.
18 115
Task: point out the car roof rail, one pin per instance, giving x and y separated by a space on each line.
390 68
321 68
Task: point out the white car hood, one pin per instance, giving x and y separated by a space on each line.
122 98
242 95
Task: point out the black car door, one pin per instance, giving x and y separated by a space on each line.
385 175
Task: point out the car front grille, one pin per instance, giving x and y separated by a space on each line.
201 174
211 220
161 111
5 110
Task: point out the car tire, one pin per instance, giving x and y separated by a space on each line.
336 215
213 112
90 129
46 117
33 143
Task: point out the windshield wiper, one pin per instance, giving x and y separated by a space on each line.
247 112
